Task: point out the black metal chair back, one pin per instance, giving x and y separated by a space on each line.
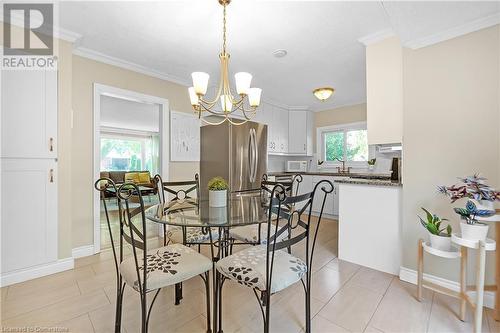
180 190
296 219
267 186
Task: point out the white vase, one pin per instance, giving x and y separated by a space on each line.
484 204
477 231
440 242
217 215
217 198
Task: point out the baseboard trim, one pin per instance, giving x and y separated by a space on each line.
410 276
83 251
34 272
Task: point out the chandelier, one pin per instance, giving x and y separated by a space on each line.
246 102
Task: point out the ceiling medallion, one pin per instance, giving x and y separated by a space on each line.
323 93
247 101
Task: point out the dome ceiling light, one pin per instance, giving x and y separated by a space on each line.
323 93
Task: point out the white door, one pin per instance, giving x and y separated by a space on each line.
29 114
297 143
319 195
29 213
283 130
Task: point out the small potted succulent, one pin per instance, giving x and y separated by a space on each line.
473 188
440 237
217 192
371 163
472 229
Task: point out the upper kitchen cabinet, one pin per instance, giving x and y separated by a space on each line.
300 131
384 91
277 130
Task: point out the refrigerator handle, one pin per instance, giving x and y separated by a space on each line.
252 152
256 155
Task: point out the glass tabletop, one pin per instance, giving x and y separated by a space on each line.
240 210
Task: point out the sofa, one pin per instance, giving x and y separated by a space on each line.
141 178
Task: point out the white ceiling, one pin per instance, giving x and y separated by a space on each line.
176 38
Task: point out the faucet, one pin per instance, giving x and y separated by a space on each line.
343 170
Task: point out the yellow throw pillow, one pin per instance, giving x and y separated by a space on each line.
144 177
132 177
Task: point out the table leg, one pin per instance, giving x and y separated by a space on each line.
496 312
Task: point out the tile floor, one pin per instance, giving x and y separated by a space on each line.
345 298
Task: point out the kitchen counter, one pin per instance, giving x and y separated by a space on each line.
373 182
333 174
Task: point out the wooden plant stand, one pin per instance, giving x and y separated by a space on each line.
461 252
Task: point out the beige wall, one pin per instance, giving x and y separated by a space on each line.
64 148
86 72
450 128
341 115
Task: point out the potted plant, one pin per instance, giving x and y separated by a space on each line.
473 188
217 192
472 229
371 163
440 238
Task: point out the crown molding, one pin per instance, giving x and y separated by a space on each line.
482 23
101 57
340 106
376 37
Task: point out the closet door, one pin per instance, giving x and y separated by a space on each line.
29 213
29 114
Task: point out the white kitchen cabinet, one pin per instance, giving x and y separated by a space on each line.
384 91
300 130
29 114
29 213
318 199
277 130
29 219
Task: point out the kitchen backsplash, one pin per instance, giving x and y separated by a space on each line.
277 163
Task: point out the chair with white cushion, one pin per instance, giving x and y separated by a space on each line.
268 268
147 270
255 234
185 193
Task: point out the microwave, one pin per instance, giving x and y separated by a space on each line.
296 166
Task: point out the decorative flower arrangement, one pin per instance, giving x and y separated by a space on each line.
473 187
217 192
470 212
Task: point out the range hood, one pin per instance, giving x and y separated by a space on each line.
390 148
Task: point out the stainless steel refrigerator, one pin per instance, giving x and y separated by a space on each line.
238 153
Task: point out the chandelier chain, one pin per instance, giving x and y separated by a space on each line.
224 31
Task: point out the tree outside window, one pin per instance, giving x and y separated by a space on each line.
350 145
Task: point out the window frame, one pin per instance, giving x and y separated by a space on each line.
320 143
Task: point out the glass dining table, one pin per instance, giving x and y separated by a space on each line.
241 210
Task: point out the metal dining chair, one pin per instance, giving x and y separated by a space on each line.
268 269
183 193
256 234
146 270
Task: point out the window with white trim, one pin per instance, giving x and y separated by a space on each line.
343 142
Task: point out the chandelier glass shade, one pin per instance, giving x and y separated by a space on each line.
225 104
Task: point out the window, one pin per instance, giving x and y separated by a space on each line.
347 142
121 152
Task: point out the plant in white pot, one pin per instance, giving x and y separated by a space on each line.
440 237
217 192
472 229
371 163
480 203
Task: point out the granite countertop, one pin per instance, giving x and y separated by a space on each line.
374 182
347 179
320 173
